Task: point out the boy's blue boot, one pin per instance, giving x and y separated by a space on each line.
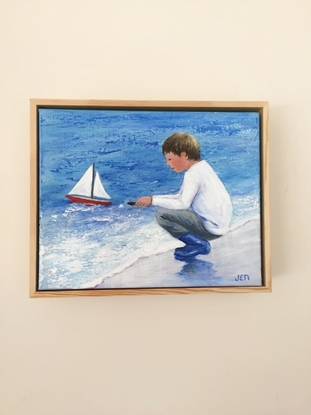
194 246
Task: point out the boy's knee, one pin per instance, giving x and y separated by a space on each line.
163 216
159 216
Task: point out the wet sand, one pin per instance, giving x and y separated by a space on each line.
234 254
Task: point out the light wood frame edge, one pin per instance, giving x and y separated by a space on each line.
261 106
33 201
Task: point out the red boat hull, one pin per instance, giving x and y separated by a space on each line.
87 201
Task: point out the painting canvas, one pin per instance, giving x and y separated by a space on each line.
92 161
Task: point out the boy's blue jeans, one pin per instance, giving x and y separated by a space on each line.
178 222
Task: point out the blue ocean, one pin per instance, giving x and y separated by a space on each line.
81 246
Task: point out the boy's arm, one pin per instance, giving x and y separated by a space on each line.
184 198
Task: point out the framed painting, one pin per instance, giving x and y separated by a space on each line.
148 197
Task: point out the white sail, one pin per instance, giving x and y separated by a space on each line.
85 184
99 190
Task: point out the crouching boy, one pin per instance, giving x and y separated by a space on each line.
201 210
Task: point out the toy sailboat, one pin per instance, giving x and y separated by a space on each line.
89 189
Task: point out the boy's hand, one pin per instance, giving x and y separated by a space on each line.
144 201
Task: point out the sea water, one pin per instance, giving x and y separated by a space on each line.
82 245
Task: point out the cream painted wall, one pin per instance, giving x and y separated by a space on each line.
176 354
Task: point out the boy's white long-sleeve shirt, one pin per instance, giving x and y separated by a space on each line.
204 193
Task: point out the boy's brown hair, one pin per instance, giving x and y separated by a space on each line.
179 142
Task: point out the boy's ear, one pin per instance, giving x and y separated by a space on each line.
183 154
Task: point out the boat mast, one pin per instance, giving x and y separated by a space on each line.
93 180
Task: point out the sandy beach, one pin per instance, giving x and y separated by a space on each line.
234 260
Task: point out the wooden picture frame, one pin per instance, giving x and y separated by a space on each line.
96 244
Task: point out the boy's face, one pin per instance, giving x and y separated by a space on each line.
177 163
